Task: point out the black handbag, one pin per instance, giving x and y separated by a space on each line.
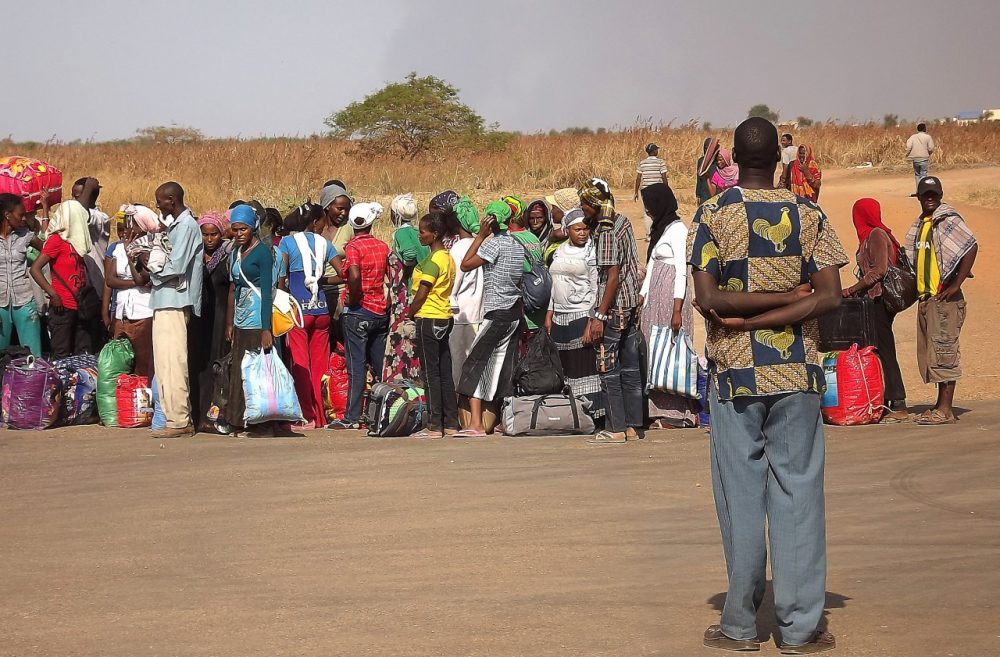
851 323
88 302
899 286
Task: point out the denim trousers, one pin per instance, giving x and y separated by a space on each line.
434 352
920 168
619 367
767 472
364 345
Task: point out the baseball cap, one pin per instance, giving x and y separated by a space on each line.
930 184
650 148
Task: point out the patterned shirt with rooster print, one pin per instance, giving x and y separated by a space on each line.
763 240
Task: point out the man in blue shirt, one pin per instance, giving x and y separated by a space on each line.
176 295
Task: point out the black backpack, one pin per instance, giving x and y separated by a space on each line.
536 285
540 371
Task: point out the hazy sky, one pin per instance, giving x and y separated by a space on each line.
259 67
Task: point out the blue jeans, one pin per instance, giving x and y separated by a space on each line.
28 324
920 168
364 344
767 471
621 378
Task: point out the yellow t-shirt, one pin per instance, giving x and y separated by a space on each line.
928 276
438 269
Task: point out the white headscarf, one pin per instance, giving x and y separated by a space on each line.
364 215
404 208
71 220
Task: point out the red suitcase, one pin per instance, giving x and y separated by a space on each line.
27 178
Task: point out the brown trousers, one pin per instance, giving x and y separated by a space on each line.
939 324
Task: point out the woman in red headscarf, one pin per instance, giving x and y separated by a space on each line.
878 248
804 176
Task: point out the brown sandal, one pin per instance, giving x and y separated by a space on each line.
934 417
714 638
821 642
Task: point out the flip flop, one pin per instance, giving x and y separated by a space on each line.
607 438
470 433
714 638
426 434
821 642
934 417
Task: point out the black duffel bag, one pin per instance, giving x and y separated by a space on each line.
851 323
540 371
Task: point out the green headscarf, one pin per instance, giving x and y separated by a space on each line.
468 215
501 212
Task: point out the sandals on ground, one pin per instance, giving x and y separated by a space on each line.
821 642
934 417
714 638
607 437
470 433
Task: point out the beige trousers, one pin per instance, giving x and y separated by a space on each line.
170 353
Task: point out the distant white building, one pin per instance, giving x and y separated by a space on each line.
968 118
991 114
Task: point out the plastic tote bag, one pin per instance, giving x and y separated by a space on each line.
268 390
673 364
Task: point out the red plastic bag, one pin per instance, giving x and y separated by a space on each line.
135 401
27 178
334 385
855 392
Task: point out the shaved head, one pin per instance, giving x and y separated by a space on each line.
755 144
171 190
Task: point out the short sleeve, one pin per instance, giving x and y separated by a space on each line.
703 249
283 245
351 255
110 252
428 271
663 167
489 250
828 252
52 247
607 249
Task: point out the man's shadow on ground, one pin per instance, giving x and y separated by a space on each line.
767 627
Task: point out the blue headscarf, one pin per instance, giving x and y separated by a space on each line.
244 214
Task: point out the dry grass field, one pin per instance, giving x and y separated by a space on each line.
283 172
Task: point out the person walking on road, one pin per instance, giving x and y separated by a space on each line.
919 148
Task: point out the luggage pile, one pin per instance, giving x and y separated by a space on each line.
543 404
85 389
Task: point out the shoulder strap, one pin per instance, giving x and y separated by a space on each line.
86 280
238 258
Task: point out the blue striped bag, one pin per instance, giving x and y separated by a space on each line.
673 364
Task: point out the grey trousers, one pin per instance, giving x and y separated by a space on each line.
767 466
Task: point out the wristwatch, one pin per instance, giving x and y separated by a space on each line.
598 316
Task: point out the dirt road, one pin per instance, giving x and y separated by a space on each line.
341 545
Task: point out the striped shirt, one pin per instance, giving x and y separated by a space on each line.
616 246
502 272
652 170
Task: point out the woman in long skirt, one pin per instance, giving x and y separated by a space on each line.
401 361
574 294
665 298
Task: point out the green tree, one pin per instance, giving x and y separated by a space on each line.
890 120
169 134
409 118
805 122
764 112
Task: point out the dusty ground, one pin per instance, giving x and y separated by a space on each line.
114 543
979 337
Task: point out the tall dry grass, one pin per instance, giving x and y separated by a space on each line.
284 172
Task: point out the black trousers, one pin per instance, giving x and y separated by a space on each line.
68 334
435 366
885 344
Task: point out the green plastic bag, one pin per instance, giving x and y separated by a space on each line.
116 358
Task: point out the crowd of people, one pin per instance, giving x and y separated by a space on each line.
443 302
